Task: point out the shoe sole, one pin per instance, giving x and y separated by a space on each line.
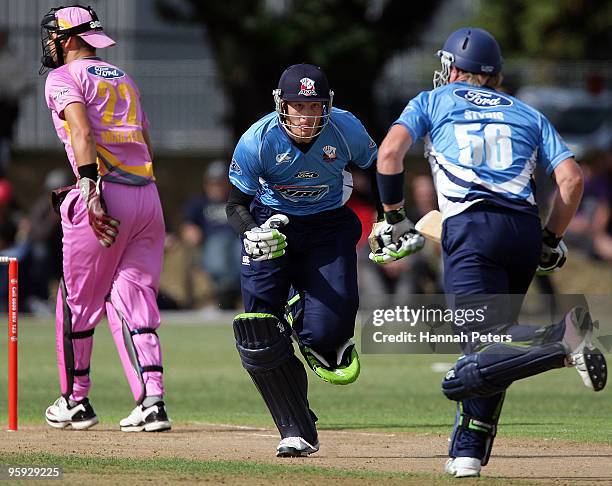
157 427
467 474
292 452
596 367
81 425
154 427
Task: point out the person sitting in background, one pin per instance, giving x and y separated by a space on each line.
415 275
213 245
12 226
45 238
591 228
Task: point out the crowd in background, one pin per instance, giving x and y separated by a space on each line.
211 250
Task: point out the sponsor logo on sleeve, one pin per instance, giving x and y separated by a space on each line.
105 72
306 175
61 93
372 144
234 167
483 99
284 157
329 153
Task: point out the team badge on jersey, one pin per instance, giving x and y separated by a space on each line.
307 87
106 72
234 167
329 153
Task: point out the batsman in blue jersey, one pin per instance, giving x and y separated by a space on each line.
290 180
483 147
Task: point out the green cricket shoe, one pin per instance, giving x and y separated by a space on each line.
346 372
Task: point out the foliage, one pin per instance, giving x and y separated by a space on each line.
544 29
255 40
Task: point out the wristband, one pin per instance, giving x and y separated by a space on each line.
395 216
391 187
90 171
550 239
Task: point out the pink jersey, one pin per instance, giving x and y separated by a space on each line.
115 114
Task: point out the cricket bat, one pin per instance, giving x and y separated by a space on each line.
430 226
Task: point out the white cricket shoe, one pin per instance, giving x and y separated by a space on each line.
150 419
463 467
80 417
588 360
591 366
295 447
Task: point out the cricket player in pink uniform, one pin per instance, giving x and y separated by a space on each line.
112 223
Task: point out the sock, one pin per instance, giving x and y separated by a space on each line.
152 400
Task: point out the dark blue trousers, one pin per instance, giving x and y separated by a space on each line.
321 264
488 250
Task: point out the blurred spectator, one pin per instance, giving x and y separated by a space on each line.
423 269
364 206
414 275
45 238
591 228
13 85
212 244
11 246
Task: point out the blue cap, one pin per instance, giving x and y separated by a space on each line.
304 82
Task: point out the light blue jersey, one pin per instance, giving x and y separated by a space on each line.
267 164
482 145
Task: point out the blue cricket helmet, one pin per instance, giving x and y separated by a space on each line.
470 49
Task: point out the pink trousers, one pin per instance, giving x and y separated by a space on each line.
120 281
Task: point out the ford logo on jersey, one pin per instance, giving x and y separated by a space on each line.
484 99
105 72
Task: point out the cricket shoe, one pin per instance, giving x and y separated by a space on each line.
588 360
150 419
295 447
463 467
80 417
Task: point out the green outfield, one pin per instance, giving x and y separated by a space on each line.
206 384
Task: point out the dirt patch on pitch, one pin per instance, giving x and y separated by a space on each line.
548 461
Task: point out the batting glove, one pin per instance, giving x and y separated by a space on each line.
554 253
394 238
104 227
266 241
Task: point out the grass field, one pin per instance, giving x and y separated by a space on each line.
206 384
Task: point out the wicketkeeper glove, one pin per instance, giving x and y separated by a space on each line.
554 253
266 241
394 238
104 227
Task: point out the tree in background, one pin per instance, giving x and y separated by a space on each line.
543 29
254 40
